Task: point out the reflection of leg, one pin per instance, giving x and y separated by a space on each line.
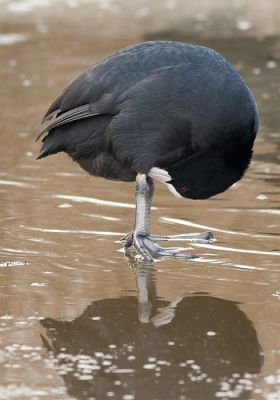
140 237
144 305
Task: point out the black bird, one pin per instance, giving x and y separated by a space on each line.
170 111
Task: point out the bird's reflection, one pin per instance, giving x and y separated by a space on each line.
195 348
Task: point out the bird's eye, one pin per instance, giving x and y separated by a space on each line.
183 189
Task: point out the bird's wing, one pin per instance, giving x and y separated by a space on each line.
90 95
89 85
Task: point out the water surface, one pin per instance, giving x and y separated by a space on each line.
80 318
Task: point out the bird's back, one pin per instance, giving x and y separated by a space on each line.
101 84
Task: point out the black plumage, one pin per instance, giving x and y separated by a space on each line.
174 108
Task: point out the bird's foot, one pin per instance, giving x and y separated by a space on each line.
204 237
147 248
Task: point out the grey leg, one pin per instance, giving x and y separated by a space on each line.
140 238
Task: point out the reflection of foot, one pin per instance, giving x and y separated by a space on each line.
165 314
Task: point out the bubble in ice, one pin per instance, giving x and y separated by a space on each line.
73 3
143 12
243 25
271 64
149 366
256 71
170 4
26 82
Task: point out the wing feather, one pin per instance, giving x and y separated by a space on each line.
71 115
49 116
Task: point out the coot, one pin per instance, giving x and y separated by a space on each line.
169 111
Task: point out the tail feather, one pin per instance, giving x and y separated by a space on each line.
48 149
53 143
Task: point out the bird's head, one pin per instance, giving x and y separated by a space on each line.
208 172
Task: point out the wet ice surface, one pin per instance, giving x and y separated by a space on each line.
72 301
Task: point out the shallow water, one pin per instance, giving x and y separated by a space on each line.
72 301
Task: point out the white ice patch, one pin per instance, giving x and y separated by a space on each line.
27 6
162 176
7 39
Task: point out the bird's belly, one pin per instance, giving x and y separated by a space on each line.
105 166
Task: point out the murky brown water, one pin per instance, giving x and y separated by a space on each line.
70 300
